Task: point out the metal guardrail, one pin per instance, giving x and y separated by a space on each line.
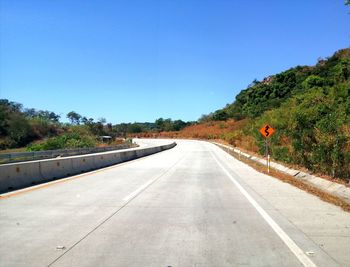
37 155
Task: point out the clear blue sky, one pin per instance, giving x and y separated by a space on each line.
140 60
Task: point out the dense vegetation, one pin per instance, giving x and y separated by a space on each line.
42 130
20 126
309 107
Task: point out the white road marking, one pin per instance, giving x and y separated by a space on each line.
278 230
133 194
143 187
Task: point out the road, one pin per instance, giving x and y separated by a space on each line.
193 205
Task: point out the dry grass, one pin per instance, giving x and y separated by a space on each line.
230 130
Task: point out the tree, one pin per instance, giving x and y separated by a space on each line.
204 118
168 125
12 106
98 128
54 117
19 130
253 83
179 125
74 117
160 124
30 112
84 120
220 115
109 127
122 129
48 115
87 121
135 128
102 120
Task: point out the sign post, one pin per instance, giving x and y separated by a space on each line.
267 131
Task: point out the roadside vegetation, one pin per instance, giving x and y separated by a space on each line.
310 109
32 130
309 106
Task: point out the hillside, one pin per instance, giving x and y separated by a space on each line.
309 106
273 91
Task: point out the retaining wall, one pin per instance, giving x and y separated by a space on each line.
23 174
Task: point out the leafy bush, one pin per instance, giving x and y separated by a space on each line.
69 140
281 153
233 137
310 130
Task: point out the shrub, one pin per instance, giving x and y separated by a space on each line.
69 140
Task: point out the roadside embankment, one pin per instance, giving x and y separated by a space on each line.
330 187
23 174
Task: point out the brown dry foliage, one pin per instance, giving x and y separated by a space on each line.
212 130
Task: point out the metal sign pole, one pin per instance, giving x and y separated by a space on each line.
267 131
267 154
268 157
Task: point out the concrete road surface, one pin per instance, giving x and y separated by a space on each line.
193 205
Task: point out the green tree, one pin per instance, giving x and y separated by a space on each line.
19 130
102 120
220 115
159 124
135 128
179 125
74 117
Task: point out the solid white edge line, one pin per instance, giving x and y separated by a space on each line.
278 230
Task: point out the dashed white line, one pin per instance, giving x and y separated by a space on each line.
138 190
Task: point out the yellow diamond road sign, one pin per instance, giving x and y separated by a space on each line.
267 131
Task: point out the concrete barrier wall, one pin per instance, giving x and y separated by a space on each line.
40 155
23 174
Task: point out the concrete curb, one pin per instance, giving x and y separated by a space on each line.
324 185
24 174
